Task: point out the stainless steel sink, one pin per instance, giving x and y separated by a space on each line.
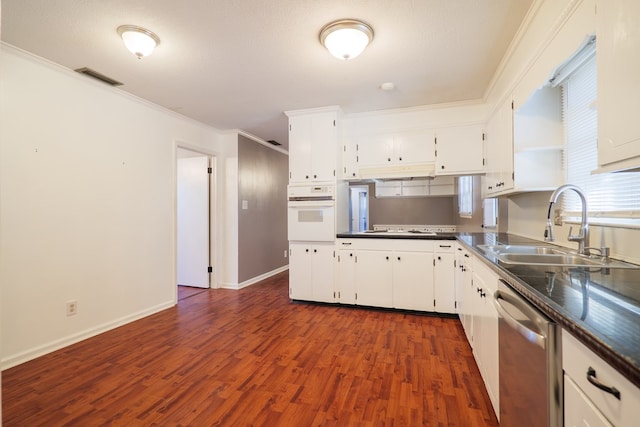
548 255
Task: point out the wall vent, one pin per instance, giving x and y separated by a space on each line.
96 75
273 142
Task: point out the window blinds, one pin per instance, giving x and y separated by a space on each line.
465 196
611 195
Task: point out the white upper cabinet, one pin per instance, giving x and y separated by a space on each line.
499 154
460 150
313 145
618 58
392 154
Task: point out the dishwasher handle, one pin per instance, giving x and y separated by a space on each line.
530 335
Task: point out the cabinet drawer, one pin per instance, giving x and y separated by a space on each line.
578 360
445 246
388 244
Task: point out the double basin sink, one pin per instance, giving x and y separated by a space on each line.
549 255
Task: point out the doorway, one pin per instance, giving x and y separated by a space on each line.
358 208
194 179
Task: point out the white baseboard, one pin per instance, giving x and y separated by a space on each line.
254 280
25 356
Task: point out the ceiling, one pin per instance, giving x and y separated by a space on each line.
239 64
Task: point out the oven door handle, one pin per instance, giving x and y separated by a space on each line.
313 204
530 335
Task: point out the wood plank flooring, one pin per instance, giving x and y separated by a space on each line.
253 358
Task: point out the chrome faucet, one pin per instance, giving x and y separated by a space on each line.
583 236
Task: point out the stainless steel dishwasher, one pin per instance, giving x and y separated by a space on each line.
530 363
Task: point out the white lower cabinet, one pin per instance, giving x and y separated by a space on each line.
484 329
579 411
374 276
395 273
464 284
413 274
311 275
616 403
444 278
345 292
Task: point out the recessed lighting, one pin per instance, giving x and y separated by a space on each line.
387 86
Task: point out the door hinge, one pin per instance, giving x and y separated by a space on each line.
455 304
434 302
483 136
356 296
357 147
512 105
434 262
344 148
513 176
334 254
334 172
483 160
209 269
289 128
289 175
454 263
334 123
209 170
357 159
435 140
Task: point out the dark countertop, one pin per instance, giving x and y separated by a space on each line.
600 308
406 235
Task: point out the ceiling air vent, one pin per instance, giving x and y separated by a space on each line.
96 75
273 142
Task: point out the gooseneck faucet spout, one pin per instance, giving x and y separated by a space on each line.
583 236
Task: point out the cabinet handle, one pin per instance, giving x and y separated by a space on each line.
388 159
466 255
442 167
306 176
591 376
445 246
478 290
350 254
398 258
306 250
346 243
439 259
315 176
400 158
387 258
315 250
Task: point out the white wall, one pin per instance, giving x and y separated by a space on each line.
87 205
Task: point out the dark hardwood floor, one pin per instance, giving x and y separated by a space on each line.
252 357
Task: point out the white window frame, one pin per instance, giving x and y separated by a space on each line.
465 196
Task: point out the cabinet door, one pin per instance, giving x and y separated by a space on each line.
414 147
300 142
323 146
618 29
300 271
375 149
413 280
579 411
322 273
346 277
460 150
443 283
499 140
374 275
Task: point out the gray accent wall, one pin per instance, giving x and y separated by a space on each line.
410 211
262 227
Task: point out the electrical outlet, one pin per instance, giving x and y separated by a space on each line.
72 308
285 253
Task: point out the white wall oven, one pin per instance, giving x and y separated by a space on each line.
312 211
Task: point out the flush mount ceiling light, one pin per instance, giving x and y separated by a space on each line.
347 38
138 40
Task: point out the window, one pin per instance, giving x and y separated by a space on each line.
612 198
490 213
465 196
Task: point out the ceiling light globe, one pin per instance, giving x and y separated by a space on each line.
141 42
346 39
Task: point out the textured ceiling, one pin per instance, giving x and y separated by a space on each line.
241 63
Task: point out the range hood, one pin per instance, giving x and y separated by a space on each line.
398 171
